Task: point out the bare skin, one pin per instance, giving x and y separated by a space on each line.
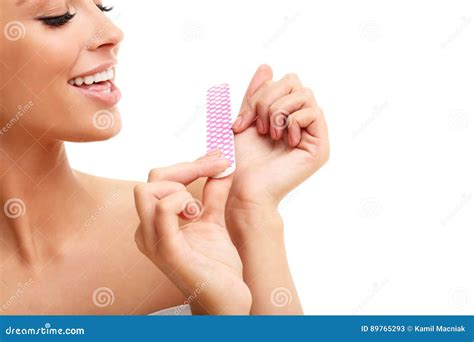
64 246
73 243
62 272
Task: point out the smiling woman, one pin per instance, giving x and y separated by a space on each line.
57 61
61 44
78 239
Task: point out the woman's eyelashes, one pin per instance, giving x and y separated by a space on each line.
105 8
61 20
57 20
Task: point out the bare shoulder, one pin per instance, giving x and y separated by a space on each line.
105 188
146 288
114 202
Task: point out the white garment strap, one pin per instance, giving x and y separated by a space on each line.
180 310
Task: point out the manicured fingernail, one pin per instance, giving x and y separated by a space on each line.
297 138
273 133
264 127
237 122
220 159
213 153
260 126
218 156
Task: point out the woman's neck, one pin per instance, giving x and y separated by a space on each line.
38 190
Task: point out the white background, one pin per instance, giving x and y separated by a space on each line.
386 227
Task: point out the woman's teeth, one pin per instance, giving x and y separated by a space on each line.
102 76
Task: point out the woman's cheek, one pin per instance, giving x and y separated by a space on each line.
51 59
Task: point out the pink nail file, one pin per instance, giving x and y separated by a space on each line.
219 125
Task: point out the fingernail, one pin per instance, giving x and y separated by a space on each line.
237 122
273 133
260 126
297 138
220 158
213 153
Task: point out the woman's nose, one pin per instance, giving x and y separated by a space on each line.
107 34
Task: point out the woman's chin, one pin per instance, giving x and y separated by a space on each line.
102 135
99 129
106 124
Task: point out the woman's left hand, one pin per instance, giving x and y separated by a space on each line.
281 139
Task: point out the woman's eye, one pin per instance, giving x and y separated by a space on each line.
61 20
105 8
57 21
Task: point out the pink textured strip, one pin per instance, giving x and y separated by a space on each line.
219 122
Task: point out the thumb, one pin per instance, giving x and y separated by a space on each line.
215 193
263 74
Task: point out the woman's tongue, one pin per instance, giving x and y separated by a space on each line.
99 87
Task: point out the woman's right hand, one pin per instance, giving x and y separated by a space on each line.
199 256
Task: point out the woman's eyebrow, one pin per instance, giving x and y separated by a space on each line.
22 2
34 4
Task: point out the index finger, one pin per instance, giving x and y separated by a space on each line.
187 172
263 74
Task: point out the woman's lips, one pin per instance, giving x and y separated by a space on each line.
105 92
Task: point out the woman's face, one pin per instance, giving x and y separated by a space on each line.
57 61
